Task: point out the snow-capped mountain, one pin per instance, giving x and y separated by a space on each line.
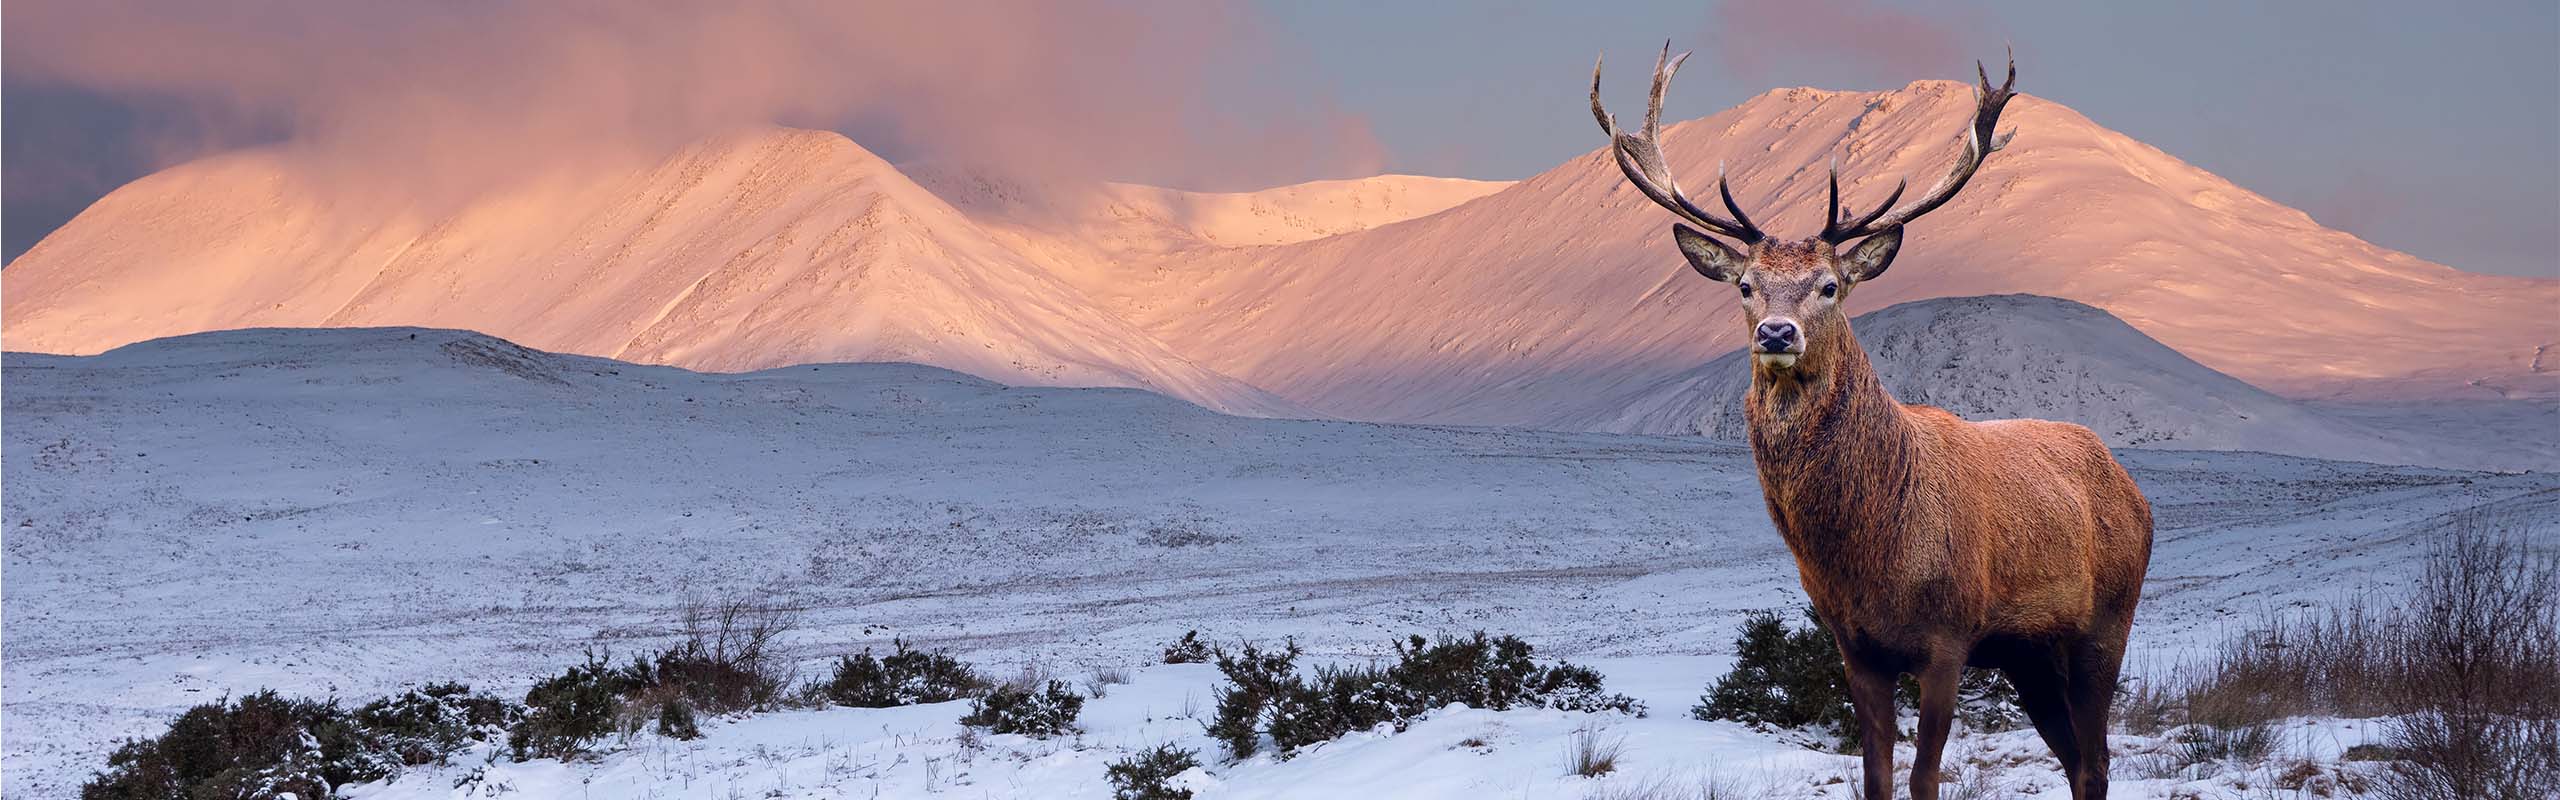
758 250
1388 299
1565 287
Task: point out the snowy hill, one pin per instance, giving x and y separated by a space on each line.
2009 356
758 250
1529 302
344 512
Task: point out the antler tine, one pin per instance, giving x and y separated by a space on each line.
1639 155
1664 66
1840 230
1725 188
1979 144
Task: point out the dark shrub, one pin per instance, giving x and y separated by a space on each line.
1266 693
1497 674
260 746
1339 700
1783 678
429 724
2198 744
1793 678
1143 776
675 719
1018 709
1190 650
570 710
907 677
1256 682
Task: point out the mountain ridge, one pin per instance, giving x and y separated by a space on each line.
1398 299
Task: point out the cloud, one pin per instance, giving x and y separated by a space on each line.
1855 39
443 98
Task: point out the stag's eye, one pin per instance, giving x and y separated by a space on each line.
1830 289
1746 290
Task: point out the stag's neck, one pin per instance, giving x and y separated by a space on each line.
1834 450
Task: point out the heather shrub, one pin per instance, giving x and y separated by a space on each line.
429 724
1266 694
568 711
1497 674
1190 650
1783 678
1337 701
1146 776
261 745
1793 678
906 677
1040 712
1257 679
675 719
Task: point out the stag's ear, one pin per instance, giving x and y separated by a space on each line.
1870 257
1710 257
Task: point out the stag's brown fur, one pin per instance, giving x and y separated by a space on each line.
1927 543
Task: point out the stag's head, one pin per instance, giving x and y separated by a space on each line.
1791 290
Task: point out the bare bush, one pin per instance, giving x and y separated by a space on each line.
2480 657
728 660
1098 685
2464 665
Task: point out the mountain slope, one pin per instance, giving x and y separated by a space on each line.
757 250
1565 287
2010 356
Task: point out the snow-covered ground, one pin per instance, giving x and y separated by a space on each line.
344 512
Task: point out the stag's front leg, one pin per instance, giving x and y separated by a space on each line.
1871 700
1938 683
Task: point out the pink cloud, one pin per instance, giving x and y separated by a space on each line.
443 97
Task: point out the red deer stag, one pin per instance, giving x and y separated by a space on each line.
1926 543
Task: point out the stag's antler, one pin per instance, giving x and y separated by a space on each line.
1978 145
1640 157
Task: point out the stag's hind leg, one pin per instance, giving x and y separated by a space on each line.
2043 694
2093 667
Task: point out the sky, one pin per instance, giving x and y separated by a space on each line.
2433 129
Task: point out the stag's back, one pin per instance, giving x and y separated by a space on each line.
2042 524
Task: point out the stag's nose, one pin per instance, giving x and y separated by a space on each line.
1777 336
